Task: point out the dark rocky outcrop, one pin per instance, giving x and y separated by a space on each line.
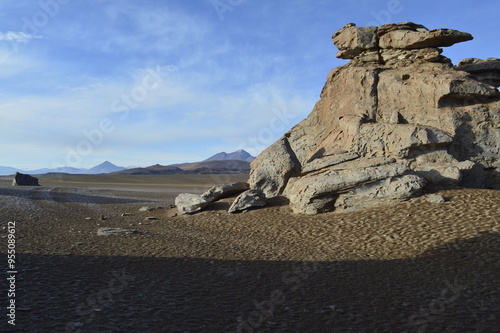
21 179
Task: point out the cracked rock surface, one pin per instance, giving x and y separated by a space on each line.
398 98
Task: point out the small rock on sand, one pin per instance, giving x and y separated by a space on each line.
115 231
436 198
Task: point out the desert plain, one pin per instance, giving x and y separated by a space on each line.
414 266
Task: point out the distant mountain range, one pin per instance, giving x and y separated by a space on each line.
235 162
105 167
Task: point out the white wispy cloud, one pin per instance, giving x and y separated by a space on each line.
17 36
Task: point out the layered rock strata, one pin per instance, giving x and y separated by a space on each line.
397 117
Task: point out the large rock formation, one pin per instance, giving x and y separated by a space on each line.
398 116
21 179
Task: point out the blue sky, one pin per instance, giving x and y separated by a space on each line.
170 81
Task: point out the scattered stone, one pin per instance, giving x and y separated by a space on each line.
88 218
103 218
146 209
115 231
150 218
223 191
21 179
248 199
127 214
172 213
188 203
435 198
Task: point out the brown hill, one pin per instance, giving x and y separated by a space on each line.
156 169
206 167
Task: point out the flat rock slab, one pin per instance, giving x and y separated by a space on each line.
115 231
223 191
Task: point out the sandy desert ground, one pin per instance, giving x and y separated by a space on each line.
410 267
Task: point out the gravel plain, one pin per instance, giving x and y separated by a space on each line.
411 267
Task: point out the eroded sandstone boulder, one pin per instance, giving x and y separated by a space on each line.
398 116
188 203
223 191
248 199
276 165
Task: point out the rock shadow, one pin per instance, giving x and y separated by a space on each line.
50 194
453 288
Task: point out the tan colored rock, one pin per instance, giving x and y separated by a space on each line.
405 102
352 40
451 173
273 167
396 140
386 28
423 96
314 193
409 39
403 57
487 71
387 191
248 199
223 191
324 162
188 203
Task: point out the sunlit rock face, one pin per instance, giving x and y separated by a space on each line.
398 117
